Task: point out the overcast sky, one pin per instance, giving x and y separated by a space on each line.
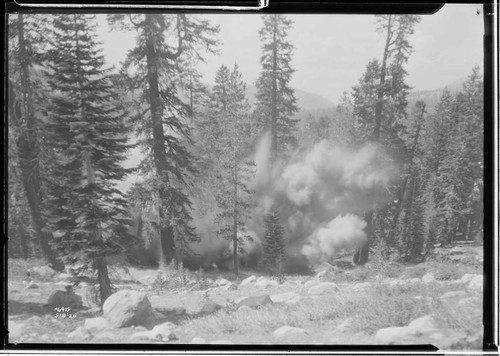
331 51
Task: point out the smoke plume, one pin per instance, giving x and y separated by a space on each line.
320 196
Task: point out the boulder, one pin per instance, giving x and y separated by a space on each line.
472 302
230 286
248 280
128 307
359 287
221 282
245 308
287 298
265 283
164 332
476 283
255 302
345 326
65 277
80 334
428 278
96 325
311 283
453 296
288 331
106 337
415 281
424 323
66 298
44 272
466 278
210 307
323 288
198 340
221 342
419 331
32 285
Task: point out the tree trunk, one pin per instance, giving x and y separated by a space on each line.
362 253
22 237
235 215
103 278
28 148
159 151
274 97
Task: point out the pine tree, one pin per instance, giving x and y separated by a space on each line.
274 244
226 137
276 102
380 101
24 100
88 141
165 48
456 170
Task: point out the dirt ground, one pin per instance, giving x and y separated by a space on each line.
368 298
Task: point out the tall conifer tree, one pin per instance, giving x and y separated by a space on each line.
166 47
276 102
88 135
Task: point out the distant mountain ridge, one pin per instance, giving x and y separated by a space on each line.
305 100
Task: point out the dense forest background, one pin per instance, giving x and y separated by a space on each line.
232 173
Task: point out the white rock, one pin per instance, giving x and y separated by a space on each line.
164 332
419 331
397 282
311 283
96 325
143 335
230 286
198 340
265 283
128 307
361 286
288 331
472 302
396 335
43 271
466 278
476 283
238 300
453 296
221 342
80 334
245 308
415 280
344 326
222 282
248 280
106 336
323 288
428 278
424 323
285 297
65 276
32 285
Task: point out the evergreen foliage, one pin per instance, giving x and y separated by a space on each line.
276 102
274 244
380 108
156 68
25 104
87 134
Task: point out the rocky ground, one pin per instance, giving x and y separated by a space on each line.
437 302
